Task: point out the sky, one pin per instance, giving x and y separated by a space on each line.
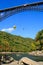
27 23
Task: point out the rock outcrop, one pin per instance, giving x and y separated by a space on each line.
27 61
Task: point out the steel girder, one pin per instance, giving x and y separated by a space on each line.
38 6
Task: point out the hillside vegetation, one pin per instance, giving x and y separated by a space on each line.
13 43
9 42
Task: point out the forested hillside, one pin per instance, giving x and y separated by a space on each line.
13 43
9 42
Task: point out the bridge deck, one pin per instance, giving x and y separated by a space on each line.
38 6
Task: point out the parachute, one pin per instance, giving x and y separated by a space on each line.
14 26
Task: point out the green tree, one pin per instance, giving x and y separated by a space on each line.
39 39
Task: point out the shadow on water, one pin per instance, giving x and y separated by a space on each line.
18 56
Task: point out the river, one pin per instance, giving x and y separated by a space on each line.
18 56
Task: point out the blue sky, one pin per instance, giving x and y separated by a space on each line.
27 23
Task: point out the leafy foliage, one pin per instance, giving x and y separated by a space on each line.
13 43
9 42
39 40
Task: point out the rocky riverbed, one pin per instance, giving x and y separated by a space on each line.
24 61
16 63
36 53
28 60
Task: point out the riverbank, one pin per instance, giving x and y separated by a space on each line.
16 63
36 56
36 53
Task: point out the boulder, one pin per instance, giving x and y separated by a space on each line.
27 61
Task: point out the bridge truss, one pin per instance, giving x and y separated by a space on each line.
38 6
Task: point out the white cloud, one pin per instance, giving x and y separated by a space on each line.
8 29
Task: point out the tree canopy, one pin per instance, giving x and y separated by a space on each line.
13 43
9 42
39 39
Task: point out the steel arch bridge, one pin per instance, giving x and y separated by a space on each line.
38 6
